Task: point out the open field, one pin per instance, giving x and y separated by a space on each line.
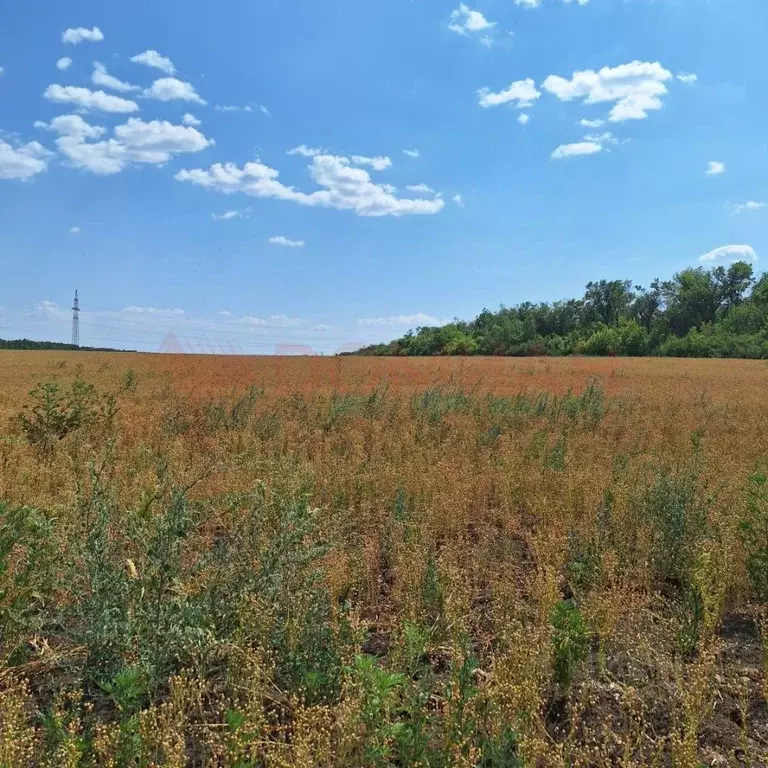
371 562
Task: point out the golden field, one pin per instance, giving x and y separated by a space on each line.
382 562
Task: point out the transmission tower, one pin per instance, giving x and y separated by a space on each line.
76 322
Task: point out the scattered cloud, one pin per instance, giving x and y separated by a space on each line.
528 3
273 321
521 93
684 77
414 153
24 161
76 35
465 20
63 63
635 88
415 320
459 200
75 230
86 99
579 2
306 151
152 311
730 252
225 313
287 242
750 205
172 89
227 216
101 77
152 58
377 163
715 168
591 123
420 189
189 119
523 118
576 149
2 71
245 108
135 141
343 187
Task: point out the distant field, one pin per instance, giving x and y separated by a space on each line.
382 561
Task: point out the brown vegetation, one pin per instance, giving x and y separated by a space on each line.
372 562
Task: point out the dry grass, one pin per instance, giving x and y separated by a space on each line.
307 561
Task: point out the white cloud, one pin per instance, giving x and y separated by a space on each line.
684 77
135 141
72 125
580 2
421 189
23 161
245 108
522 93
189 119
578 148
528 3
63 63
287 242
281 321
2 71
750 205
377 163
592 123
77 35
732 252
101 77
227 215
635 88
87 99
414 153
75 230
523 118
417 319
171 89
152 311
715 168
343 187
154 59
306 151
459 200
464 20
225 313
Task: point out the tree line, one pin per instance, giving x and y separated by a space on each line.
719 312
29 344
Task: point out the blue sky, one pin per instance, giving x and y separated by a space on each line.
239 172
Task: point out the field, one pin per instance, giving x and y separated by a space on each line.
374 562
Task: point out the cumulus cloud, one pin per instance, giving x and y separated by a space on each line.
528 3
730 252
75 230
86 99
22 162
189 119
414 153
152 58
576 149
417 319
523 118
76 35
459 200
101 77
635 88
465 20
377 163
135 141
715 168
592 123
306 151
684 77
343 187
172 89
750 205
521 93
287 242
63 63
